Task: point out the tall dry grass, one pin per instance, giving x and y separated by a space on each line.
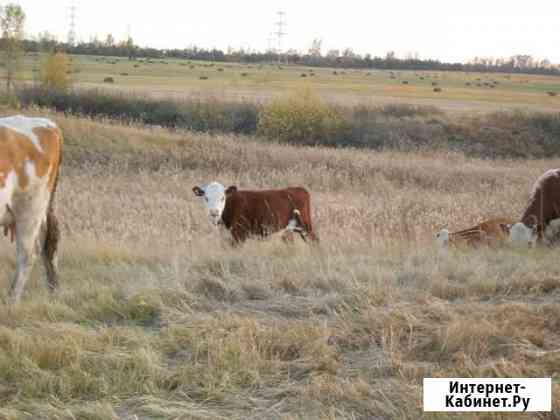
158 318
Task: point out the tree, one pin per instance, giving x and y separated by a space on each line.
12 19
55 72
131 49
109 41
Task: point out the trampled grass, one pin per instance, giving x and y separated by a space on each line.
158 318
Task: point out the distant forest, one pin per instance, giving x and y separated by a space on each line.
346 58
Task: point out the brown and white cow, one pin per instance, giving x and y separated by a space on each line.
258 213
543 207
30 156
489 232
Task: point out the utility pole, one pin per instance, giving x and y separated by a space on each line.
270 41
72 24
280 31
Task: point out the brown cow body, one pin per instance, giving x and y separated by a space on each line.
260 213
544 202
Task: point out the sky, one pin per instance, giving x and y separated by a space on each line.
448 30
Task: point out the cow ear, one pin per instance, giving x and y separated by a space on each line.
231 189
199 192
505 227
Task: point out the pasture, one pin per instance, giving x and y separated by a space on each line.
158 319
179 79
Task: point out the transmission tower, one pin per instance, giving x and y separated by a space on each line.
270 41
280 29
72 24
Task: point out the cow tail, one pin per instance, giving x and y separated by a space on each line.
52 236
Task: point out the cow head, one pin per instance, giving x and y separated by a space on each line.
521 234
442 238
214 195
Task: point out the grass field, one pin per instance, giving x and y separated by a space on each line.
157 318
230 81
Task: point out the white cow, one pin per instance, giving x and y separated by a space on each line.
30 156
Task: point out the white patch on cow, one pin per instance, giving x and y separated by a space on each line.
520 234
215 201
552 232
442 238
6 197
26 125
292 225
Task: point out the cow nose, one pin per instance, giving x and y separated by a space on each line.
214 213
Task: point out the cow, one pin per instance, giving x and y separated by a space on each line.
542 207
248 213
489 232
30 157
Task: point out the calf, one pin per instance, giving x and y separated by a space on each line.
258 213
30 156
489 232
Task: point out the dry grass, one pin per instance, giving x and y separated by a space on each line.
158 319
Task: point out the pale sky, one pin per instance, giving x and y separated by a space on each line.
449 30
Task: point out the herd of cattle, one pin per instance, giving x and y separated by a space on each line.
30 157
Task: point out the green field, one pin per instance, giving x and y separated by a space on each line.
230 81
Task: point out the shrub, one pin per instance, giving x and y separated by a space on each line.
437 89
203 77
552 93
210 115
302 118
55 72
108 80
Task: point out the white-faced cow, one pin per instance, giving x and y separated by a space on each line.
490 232
30 155
258 213
543 206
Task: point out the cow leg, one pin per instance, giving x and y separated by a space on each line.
48 243
26 240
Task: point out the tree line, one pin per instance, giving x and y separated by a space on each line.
314 58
